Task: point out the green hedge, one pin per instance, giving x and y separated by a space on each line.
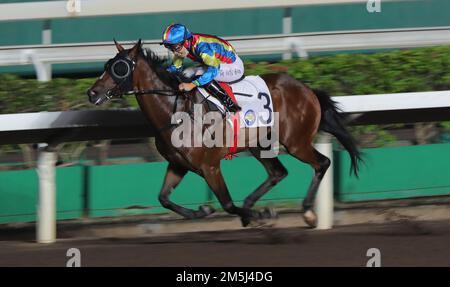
423 69
411 70
25 95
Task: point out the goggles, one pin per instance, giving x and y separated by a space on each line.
174 47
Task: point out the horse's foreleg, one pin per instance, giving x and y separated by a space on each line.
214 178
173 177
276 172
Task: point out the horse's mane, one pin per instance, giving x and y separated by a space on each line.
159 65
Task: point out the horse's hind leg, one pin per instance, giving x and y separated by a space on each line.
320 163
276 172
214 178
173 177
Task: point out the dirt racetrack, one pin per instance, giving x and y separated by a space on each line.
401 243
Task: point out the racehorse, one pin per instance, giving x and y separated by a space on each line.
302 113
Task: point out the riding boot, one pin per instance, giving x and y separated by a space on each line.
218 92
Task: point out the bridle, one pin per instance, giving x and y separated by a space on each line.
121 69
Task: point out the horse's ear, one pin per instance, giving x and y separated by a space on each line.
136 49
118 46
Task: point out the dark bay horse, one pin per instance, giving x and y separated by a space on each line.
302 113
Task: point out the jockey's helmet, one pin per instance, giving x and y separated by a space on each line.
175 34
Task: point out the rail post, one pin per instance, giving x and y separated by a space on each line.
46 215
324 204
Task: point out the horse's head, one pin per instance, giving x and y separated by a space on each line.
117 78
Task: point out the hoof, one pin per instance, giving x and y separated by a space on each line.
310 218
206 210
260 219
245 221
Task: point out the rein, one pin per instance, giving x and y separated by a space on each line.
167 93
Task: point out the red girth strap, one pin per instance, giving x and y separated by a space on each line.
235 118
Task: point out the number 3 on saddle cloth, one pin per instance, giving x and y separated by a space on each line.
253 96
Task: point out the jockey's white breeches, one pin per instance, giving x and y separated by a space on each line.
230 72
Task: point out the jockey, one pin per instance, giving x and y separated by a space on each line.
218 58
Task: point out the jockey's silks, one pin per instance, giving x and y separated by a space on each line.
209 50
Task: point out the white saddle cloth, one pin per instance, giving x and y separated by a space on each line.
253 96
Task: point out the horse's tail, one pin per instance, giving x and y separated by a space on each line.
331 122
